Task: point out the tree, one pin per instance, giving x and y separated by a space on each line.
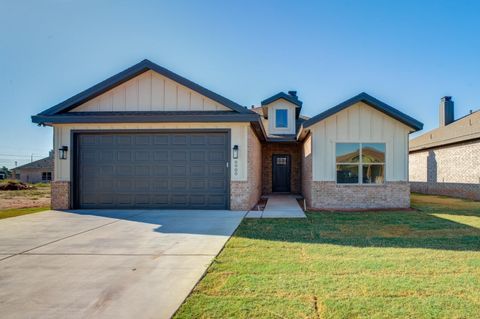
4 172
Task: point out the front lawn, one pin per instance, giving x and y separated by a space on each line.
13 212
408 264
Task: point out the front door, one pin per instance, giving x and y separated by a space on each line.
281 173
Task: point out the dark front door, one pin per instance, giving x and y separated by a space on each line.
180 170
281 173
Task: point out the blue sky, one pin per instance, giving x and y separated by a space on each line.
407 53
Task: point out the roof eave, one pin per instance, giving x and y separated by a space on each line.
99 118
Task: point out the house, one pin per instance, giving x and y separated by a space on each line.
40 171
446 160
149 138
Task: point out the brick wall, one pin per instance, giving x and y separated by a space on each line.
245 194
294 150
452 170
60 195
307 170
329 195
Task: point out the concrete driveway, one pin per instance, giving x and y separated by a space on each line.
106 263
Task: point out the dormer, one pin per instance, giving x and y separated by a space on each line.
282 110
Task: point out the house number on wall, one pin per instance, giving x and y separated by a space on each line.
235 167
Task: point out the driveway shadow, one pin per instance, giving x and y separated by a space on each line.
199 222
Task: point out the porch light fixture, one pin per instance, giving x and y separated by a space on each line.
62 152
235 151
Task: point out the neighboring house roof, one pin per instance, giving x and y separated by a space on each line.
44 163
128 74
373 102
464 129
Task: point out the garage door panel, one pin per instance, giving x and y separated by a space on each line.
217 140
198 139
143 170
216 156
179 185
153 170
180 155
216 170
197 156
179 139
161 139
161 155
142 156
217 185
160 170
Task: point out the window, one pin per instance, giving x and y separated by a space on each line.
360 163
281 161
281 118
46 176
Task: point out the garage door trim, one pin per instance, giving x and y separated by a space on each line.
74 154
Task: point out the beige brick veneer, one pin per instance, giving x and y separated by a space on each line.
329 195
245 194
60 195
452 170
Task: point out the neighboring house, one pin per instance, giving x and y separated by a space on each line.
149 138
446 160
40 171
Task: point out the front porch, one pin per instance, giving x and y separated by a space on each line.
281 168
279 206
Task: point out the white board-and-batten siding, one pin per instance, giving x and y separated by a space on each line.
356 124
150 91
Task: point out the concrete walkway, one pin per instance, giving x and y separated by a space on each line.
106 263
279 206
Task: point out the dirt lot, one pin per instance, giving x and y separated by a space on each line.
39 196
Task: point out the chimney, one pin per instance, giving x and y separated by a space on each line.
446 111
293 94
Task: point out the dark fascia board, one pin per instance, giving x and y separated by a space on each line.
373 102
106 117
130 73
284 96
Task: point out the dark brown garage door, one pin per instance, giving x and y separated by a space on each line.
180 170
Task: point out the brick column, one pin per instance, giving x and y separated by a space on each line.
60 195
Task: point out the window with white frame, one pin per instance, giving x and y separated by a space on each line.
360 163
281 118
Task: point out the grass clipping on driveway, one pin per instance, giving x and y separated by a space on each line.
419 264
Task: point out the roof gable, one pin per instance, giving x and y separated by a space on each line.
371 101
130 73
284 96
150 91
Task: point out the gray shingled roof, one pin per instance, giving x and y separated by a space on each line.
464 129
46 163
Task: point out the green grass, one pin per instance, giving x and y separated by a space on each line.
408 264
7 213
